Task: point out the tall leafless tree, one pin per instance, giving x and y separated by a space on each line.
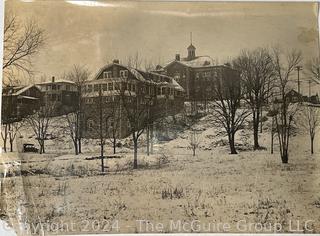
13 131
194 141
9 133
4 135
284 65
310 121
40 122
227 111
135 104
79 75
257 81
101 118
21 42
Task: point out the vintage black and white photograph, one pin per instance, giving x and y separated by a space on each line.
159 117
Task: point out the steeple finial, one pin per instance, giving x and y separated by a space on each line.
191 37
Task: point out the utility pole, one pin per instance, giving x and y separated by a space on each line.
298 68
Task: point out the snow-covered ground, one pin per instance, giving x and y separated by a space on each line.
244 190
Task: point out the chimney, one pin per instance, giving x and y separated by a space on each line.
52 79
177 57
116 61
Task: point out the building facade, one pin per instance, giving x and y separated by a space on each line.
199 75
117 89
61 94
20 101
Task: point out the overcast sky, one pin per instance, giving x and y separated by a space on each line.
93 35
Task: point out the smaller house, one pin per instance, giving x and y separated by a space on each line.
20 101
293 96
62 94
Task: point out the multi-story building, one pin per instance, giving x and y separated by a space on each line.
61 94
199 75
105 94
20 101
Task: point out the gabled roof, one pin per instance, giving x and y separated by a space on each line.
17 90
293 92
200 61
133 71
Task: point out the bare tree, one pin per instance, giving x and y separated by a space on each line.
227 111
73 129
310 121
194 141
136 105
284 64
257 81
102 117
134 61
79 75
39 122
21 43
4 135
13 131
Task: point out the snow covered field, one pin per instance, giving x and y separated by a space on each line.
172 191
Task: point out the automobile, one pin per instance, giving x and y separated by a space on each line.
29 147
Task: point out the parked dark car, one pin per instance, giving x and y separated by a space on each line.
29 147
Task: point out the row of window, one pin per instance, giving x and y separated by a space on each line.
132 88
108 87
108 74
58 87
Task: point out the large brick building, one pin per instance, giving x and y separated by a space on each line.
198 75
113 82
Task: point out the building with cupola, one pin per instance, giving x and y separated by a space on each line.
198 75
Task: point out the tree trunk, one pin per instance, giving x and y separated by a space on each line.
231 144
312 138
5 145
260 119
151 139
135 154
114 144
284 156
79 145
41 143
148 140
194 151
256 136
102 156
272 136
5 137
256 119
76 151
43 151
11 145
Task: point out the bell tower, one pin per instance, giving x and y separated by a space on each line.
191 50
